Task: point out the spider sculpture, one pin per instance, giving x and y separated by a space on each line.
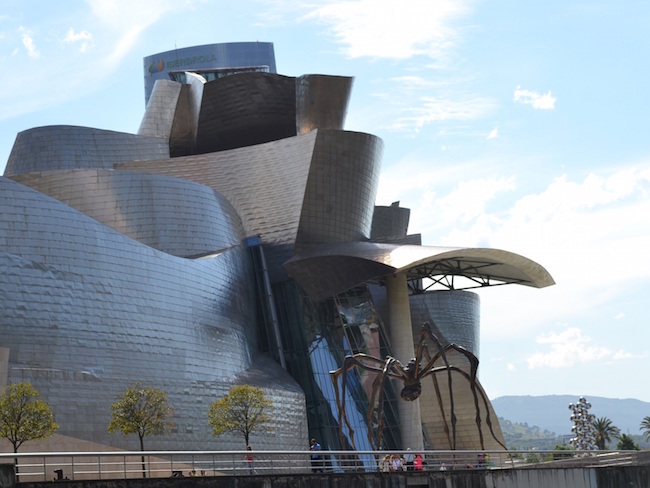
411 376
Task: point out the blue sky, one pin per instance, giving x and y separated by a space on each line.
514 125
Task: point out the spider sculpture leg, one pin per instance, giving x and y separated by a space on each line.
480 393
471 378
423 350
368 363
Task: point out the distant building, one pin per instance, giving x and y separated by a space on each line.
234 239
210 60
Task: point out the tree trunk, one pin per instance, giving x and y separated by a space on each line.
16 460
144 470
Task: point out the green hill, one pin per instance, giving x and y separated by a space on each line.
550 418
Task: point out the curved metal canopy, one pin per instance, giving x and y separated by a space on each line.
329 269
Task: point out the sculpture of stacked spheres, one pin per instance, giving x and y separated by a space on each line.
583 428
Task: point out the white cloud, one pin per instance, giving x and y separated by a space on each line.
468 200
28 43
536 100
567 348
428 110
111 30
127 28
84 38
571 227
494 133
388 29
510 367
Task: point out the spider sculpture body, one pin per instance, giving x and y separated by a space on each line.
411 376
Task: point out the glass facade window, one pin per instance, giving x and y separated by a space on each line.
214 74
318 336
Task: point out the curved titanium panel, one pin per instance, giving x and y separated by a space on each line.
172 215
86 311
246 109
455 318
363 260
70 147
322 102
161 109
182 141
341 190
390 222
264 183
455 313
468 432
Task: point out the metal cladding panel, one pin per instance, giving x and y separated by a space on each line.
341 190
456 314
390 222
264 183
159 115
86 311
375 260
70 147
322 102
172 215
467 402
246 109
455 318
182 141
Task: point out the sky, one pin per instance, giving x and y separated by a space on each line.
521 126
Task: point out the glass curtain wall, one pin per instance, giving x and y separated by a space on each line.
317 337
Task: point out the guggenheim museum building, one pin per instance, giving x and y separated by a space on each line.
234 239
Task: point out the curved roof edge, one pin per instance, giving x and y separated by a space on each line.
329 269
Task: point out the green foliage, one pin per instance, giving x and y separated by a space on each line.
568 452
142 411
533 457
24 416
645 427
245 409
626 443
523 437
605 432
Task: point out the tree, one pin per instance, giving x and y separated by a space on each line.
626 443
645 427
245 409
605 432
24 416
142 411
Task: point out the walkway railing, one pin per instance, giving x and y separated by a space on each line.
159 464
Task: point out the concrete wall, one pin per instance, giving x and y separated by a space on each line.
611 477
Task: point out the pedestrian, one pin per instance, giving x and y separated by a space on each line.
316 461
386 464
397 464
409 458
418 463
249 460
